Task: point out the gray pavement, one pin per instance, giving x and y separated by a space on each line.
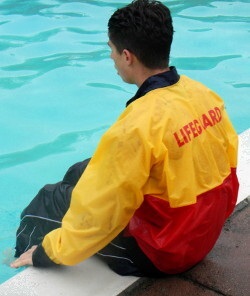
225 270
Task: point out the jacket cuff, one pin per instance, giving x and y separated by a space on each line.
41 259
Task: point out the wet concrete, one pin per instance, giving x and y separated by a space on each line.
225 270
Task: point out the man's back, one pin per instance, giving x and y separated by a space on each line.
192 185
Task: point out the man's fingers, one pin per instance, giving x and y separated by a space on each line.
24 259
19 262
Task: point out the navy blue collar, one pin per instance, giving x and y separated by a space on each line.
157 81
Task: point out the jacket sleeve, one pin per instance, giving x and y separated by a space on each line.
41 259
106 196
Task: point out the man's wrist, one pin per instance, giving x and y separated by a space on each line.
41 259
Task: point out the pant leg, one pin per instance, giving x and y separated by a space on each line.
124 256
75 171
46 211
117 257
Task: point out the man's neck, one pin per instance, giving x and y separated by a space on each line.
144 73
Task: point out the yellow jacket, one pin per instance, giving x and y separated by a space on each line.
173 144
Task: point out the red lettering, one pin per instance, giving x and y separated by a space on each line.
178 140
184 136
197 126
191 124
187 130
206 121
213 116
218 112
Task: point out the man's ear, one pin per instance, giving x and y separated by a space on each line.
128 56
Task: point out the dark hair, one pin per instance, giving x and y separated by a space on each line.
145 28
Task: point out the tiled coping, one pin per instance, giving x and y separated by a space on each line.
92 277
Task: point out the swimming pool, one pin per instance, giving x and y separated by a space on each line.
59 91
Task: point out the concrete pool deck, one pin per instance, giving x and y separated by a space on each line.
225 271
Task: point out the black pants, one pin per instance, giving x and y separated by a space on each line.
46 211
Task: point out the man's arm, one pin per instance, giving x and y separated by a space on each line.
104 199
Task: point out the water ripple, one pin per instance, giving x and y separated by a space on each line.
25 8
218 18
42 65
238 85
4 22
10 41
94 43
41 8
107 85
82 31
200 63
69 14
200 30
61 144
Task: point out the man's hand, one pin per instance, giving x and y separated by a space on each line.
24 259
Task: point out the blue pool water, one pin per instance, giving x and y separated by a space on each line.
59 91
